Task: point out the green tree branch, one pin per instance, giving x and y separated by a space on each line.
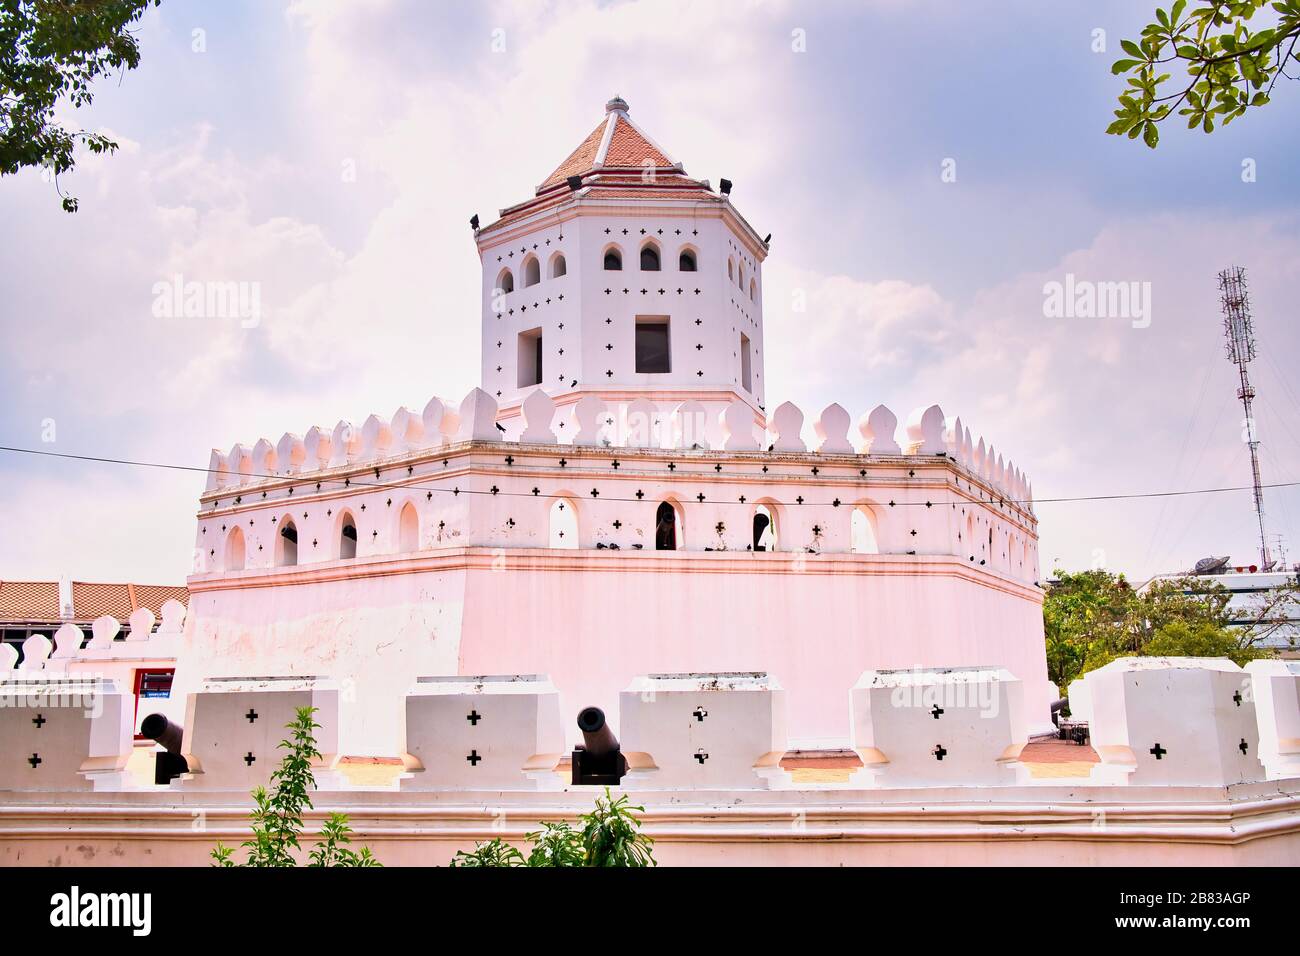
1231 69
52 51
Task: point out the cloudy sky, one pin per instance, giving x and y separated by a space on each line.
333 151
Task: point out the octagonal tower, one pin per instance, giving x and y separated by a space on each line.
624 278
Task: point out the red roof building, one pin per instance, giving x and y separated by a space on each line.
39 607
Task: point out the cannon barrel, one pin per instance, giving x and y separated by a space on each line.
598 760
162 731
597 738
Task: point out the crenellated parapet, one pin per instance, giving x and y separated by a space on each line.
640 423
631 476
69 650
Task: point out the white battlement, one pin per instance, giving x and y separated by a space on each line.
234 726
483 733
934 728
705 730
591 421
63 733
453 478
1275 686
1174 721
962 726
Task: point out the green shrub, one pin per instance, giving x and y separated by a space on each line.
610 836
277 815
495 852
556 844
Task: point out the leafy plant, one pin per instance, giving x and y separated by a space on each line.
1229 68
277 814
556 844
495 852
610 836
331 848
52 50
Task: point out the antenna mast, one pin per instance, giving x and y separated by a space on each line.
1240 333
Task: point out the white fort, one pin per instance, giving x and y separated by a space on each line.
624 515
617 499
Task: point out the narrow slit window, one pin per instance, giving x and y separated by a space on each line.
530 358
746 363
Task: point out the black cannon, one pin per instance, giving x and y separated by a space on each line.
598 760
169 764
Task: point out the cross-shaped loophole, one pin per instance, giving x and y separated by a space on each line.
701 756
700 713
251 715
249 759
35 759
474 717
473 758
939 752
1157 751
936 711
39 720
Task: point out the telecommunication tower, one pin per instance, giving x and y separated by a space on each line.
1240 333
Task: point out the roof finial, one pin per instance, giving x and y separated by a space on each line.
617 104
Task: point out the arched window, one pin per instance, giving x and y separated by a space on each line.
863 538
563 525
286 544
753 290
532 271
558 266
613 259
740 276
731 270
765 530
506 281
989 557
667 527
235 550
649 257
408 530
686 261
970 535
347 535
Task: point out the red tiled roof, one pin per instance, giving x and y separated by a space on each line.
580 160
154 596
682 189
627 147
696 193
612 161
95 600
37 602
